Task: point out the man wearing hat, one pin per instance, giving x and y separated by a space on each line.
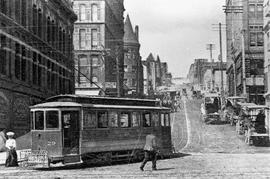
12 159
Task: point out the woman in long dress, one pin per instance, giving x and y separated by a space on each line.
12 159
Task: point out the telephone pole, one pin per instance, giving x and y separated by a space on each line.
221 59
211 47
244 64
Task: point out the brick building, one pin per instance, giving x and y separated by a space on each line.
244 20
36 59
133 69
98 44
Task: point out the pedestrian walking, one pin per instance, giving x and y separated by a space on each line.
3 140
12 159
150 151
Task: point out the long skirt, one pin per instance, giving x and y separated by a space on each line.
12 159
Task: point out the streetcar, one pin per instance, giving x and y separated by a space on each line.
77 128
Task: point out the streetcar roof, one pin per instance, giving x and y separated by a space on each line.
56 105
124 107
98 97
73 104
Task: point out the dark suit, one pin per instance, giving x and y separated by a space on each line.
150 151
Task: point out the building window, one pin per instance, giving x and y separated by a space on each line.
134 82
82 38
40 23
49 30
3 6
134 69
95 61
34 68
17 11
23 16
260 11
94 38
251 10
84 71
94 12
34 19
3 58
256 36
17 61
23 64
82 12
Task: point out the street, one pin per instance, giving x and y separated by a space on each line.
206 151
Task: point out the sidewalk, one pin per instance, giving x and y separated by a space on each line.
21 155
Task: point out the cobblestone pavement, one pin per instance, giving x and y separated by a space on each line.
208 151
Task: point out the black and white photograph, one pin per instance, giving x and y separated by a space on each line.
134 89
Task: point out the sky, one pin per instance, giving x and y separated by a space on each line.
177 30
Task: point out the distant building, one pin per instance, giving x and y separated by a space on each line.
133 69
36 59
157 74
98 43
245 26
201 73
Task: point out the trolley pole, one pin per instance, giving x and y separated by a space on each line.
210 47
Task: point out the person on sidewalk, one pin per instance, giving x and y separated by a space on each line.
12 159
150 151
3 140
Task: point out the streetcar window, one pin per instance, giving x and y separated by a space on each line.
102 120
52 120
167 119
162 119
136 117
113 119
39 120
32 119
155 119
124 120
89 119
146 120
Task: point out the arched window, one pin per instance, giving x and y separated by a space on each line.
34 19
82 12
39 23
94 12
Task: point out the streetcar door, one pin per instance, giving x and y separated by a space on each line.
71 132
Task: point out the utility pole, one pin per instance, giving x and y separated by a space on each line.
221 60
211 47
244 64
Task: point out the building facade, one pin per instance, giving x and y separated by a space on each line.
133 69
204 75
245 40
36 59
267 50
157 74
98 44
